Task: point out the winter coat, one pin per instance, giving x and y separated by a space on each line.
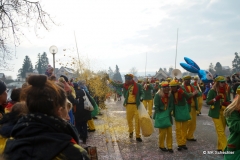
81 114
39 136
233 144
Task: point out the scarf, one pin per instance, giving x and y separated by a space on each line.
223 91
165 100
189 101
135 88
178 96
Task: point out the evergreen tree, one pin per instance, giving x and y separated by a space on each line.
218 68
44 62
39 64
236 63
117 76
211 68
110 72
26 67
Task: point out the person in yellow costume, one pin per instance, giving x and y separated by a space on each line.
181 114
147 97
200 98
163 102
192 94
232 114
218 99
132 92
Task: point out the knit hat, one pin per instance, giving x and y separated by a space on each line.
65 78
187 77
2 87
164 84
174 83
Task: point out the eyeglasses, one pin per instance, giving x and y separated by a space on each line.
222 82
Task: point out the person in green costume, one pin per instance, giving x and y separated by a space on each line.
156 87
181 113
192 95
163 102
132 92
232 114
218 99
147 97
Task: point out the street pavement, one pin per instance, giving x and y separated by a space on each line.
112 141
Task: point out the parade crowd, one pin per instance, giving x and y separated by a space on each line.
180 101
49 118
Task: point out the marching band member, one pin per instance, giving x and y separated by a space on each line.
163 102
181 114
218 99
147 97
232 114
132 93
200 98
193 106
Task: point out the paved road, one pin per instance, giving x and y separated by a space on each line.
112 142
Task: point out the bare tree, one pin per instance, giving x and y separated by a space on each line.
133 71
15 14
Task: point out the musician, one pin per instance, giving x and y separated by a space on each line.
200 98
181 114
218 99
232 114
156 88
192 94
163 101
132 92
147 97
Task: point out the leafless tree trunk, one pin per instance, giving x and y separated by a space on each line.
15 14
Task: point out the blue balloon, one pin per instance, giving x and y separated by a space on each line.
191 66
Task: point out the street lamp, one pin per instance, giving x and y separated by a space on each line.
53 50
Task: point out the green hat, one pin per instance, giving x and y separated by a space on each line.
219 79
187 77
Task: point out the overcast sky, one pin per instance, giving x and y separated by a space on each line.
122 32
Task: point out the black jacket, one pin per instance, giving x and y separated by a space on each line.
81 114
38 136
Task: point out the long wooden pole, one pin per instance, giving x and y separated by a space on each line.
145 64
176 50
77 53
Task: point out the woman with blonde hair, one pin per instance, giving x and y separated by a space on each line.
232 114
218 99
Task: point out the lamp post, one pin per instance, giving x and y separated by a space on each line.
53 50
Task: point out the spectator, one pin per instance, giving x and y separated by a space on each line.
235 84
49 71
3 97
63 84
81 115
53 78
15 97
43 134
10 119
